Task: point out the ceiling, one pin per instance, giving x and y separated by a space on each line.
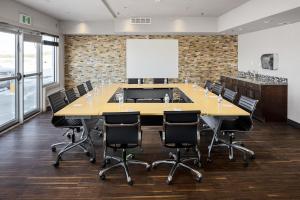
71 10
93 10
173 8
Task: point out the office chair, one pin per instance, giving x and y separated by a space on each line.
89 85
181 129
217 89
122 131
229 95
71 95
160 80
242 124
81 89
208 85
57 103
135 81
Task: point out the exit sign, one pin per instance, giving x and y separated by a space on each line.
25 19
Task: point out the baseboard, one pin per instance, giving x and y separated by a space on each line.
293 123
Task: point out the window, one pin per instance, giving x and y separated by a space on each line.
50 59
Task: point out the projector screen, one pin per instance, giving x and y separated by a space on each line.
152 58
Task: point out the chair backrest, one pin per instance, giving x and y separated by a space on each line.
122 128
160 80
89 85
248 104
229 95
81 89
217 89
57 101
71 95
208 84
181 128
135 81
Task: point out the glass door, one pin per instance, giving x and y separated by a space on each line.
8 79
31 77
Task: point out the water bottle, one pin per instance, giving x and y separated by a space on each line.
167 98
186 80
220 98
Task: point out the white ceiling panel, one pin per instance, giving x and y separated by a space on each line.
173 8
73 10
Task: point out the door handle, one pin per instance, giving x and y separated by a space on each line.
19 76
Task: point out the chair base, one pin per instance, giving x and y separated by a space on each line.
237 145
176 162
122 162
72 144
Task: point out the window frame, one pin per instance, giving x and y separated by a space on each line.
55 45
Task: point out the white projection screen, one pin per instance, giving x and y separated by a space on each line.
152 58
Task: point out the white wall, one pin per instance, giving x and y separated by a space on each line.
285 41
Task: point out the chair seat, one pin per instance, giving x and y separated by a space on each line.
236 125
68 123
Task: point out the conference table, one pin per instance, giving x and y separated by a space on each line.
96 102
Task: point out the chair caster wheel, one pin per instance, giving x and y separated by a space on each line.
148 168
69 136
171 155
53 149
252 157
92 160
169 181
56 164
102 177
199 179
129 181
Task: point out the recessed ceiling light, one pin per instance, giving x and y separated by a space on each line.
157 1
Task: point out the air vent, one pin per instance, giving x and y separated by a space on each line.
140 20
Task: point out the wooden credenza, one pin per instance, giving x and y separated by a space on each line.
272 105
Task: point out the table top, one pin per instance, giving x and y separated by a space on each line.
96 102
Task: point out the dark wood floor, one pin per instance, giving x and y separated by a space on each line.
26 170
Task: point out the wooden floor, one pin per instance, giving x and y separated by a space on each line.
26 170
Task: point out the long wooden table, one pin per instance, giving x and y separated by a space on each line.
95 103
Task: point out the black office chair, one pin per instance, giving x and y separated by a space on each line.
81 89
208 85
160 80
229 95
239 125
122 131
135 81
89 85
181 129
71 95
217 89
57 103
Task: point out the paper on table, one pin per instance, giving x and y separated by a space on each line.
77 105
228 105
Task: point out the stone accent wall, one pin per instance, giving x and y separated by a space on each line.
104 57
